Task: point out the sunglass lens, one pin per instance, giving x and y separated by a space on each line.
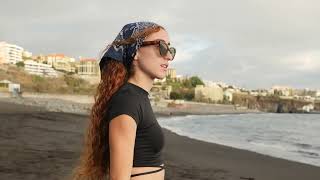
173 52
163 49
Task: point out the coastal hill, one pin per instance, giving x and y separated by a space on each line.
69 84
65 84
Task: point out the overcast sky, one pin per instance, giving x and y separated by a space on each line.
248 43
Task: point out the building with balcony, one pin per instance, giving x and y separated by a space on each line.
88 67
33 67
10 53
61 62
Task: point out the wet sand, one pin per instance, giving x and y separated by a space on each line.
37 144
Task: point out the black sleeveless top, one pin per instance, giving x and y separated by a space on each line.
133 100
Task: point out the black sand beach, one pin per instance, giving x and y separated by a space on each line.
37 144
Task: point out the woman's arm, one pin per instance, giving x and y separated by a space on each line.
122 134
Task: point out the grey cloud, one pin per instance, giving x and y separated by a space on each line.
246 40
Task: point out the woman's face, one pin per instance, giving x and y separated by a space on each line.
148 58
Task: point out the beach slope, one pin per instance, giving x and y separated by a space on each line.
37 144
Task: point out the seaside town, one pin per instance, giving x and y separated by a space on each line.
234 94
60 74
51 96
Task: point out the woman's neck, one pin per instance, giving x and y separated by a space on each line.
146 85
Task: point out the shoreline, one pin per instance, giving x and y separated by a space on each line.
228 145
236 148
68 106
51 142
233 163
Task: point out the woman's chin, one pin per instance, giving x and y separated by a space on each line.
161 76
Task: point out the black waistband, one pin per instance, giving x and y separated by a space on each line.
149 172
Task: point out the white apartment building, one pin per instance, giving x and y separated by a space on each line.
88 67
61 62
209 83
10 53
214 93
181 77
40 69
26 54
171 72
228 94
283 90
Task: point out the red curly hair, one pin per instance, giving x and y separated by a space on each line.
95 158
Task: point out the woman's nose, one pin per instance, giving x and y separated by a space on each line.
169 56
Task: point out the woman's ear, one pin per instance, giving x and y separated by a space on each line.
135 58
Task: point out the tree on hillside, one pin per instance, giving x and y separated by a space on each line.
195 80
175 95
20 64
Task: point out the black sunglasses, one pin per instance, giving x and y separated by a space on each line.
163 47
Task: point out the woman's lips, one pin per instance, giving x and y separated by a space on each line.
164 67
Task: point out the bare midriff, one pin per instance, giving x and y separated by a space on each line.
154 176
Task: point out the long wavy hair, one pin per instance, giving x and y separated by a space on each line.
94 162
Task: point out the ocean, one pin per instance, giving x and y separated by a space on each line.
294 137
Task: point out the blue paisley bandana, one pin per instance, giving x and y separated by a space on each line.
125 52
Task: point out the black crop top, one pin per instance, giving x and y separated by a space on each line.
133 100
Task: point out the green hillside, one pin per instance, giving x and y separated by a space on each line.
67 84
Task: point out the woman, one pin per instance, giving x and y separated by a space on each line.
124 140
